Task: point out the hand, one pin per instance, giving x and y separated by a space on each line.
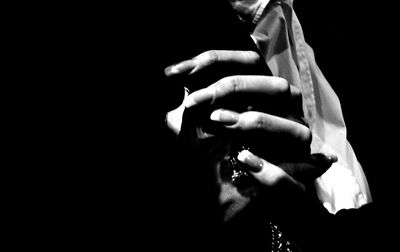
255 107
288 194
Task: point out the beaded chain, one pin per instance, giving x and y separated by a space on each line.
279 243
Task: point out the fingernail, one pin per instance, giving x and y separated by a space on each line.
199 97
175 69
172 70
224 116
254 162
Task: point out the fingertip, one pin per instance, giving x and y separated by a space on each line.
254 163
171 70
224 116
325 157
215 115
179 68
332 158
243 155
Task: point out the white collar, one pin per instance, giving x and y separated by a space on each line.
260 9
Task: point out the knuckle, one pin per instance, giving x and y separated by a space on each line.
230 85
260 121
253 120
212 56
235 84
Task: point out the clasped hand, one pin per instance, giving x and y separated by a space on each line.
281 129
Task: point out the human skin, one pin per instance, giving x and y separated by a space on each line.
254 123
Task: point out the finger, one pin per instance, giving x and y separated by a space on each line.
182 67
259 84
288 201
211 57
265 172
256 121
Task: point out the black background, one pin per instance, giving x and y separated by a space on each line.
87 146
